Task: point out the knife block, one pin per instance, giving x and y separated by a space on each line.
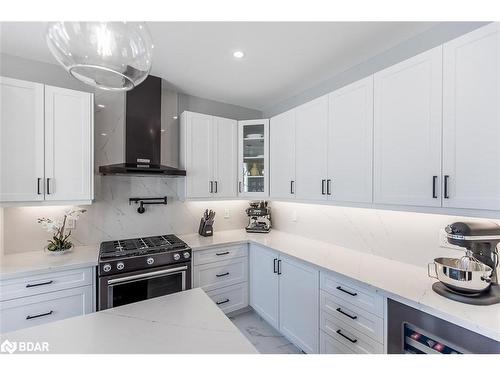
205 230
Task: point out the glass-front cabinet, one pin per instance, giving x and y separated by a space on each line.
253 166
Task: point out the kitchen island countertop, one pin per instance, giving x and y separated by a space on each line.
182 323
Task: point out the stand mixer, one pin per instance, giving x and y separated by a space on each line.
472 279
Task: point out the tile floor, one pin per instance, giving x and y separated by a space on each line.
264 337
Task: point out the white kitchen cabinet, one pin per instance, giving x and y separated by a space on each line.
311 141
471 120
68 144
284 292
282 155
350 140
21 140
407 131
225 157
209 155
253 158
298 303
264 297
46 136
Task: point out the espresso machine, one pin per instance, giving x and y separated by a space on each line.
259 217
473 278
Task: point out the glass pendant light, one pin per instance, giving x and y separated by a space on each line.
108 55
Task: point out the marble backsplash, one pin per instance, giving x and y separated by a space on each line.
403 236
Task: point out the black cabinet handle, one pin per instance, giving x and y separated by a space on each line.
216 187
222 274
222 302
239 186
346 314
48 186
446 196
346 291
279 266
346 337
211 186
39 315
323 187
224 253
328 187
275 265
292 190
434 181
38 180
39 284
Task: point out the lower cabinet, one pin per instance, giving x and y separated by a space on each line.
222 273
351 316
284 292
29 301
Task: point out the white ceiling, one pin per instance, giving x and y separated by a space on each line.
281 58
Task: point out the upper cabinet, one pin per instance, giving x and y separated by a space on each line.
311 141
21 141
209 155
253 160
46 137
282 155
407 131
471 120
350 140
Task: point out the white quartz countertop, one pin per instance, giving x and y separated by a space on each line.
400 281
36 262
187 322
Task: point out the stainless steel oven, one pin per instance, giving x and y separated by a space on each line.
121 289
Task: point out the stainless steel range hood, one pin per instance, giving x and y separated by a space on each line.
143 134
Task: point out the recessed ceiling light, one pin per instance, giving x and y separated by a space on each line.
238 54
104 134
162 130
175 117
101 106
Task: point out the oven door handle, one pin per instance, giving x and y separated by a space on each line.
146 275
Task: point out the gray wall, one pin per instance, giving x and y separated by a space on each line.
435 36
211 107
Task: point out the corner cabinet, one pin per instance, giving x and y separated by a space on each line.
285 292
209 154
46 143
253 158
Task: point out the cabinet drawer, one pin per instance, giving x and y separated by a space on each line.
359 319
44 283
219 254
230 298
353 292
45 308
217 275
344 333
328 345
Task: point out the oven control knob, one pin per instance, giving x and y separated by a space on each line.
120 266
106 267
177 256
186 255
150 261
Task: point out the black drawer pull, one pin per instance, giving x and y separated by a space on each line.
434 181
346 314
446 195
222 274
39 284
39 315
222 302
346 337
224 253
346 291
275 265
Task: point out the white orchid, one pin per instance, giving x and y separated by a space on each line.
59 239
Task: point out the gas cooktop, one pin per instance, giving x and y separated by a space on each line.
140 246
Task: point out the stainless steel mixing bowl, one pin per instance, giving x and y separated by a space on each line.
473 279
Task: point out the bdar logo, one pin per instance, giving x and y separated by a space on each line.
8 347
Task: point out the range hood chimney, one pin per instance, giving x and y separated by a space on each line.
143 134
